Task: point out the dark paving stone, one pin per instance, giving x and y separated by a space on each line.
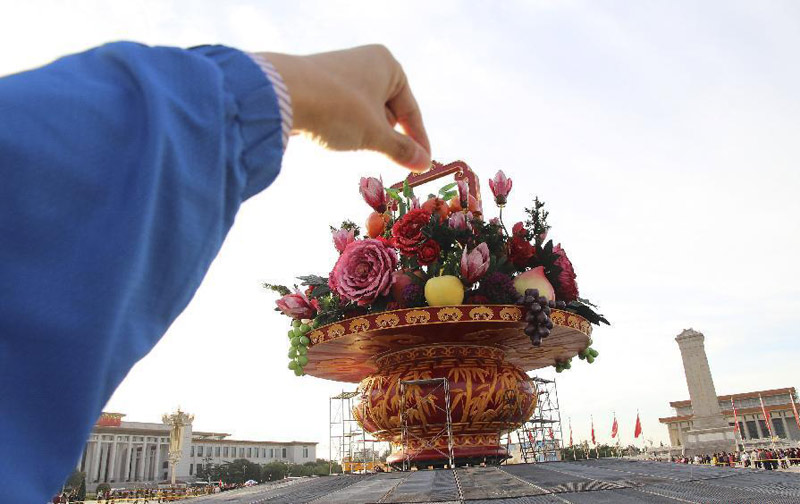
425 486
492 482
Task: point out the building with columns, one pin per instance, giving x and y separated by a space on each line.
705 423
752 426
135 454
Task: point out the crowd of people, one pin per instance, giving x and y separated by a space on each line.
758 458
144 495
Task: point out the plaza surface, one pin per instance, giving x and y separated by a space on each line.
598 481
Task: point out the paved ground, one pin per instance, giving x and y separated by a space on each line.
598 481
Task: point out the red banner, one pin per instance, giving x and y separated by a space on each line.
614 428
637 431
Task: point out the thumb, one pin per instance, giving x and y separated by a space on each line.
403 150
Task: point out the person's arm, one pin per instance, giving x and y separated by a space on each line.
121 171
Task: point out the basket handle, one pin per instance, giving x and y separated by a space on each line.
437 170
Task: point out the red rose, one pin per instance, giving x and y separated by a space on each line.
520 251
407 231
519 229
566 287
429 252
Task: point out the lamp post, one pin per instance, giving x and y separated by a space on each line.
177 422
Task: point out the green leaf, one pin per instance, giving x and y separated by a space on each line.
446 189
314 280
280 289
394 194
449 195
407 192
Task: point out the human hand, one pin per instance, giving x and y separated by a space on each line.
352 99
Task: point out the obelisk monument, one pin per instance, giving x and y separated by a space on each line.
709 432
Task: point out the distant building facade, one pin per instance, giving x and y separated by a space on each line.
127 454
752 424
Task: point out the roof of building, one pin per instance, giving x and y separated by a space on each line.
729 412
111 423
745 395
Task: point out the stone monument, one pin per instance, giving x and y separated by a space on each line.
710 432
177 422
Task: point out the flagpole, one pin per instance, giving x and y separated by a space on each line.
794 409
736 424
767 420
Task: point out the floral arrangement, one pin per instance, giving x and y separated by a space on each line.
437 252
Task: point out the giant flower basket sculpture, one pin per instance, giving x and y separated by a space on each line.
435 291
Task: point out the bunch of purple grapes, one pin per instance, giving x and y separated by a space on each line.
537 316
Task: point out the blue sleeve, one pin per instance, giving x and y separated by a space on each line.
121 171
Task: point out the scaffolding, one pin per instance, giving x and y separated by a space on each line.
425 397
350 445
540 438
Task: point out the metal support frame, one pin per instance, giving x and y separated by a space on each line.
349 443
428 442
540 438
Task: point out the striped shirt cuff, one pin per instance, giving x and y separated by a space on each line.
281 91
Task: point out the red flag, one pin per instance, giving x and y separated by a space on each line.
593 441
766 417
637 431
735 418
550 431
570 432
794 408
614 428
530 437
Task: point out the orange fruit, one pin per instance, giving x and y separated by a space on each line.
438 206
455 204
376 224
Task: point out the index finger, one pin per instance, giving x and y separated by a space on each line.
406 110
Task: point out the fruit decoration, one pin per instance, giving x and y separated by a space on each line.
439 251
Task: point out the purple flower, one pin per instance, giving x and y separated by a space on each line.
460 221
373 193
296 306
475 264
463 192
342 238
500 186
363 271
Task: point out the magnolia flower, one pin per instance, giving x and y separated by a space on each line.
460 221
474 264
296 306
500 186
463 192
342 238
373 192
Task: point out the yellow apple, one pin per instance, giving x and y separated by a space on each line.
444 290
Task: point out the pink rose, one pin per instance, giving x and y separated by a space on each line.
363 271
342 238
500 186
373 192
475 264
296 306
566 287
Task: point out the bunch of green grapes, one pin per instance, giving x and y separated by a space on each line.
588 354
299 347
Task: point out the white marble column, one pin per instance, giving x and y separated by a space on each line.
128 459
112 456
157 473
94 467
142 461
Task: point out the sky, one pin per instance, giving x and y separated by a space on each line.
661 134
